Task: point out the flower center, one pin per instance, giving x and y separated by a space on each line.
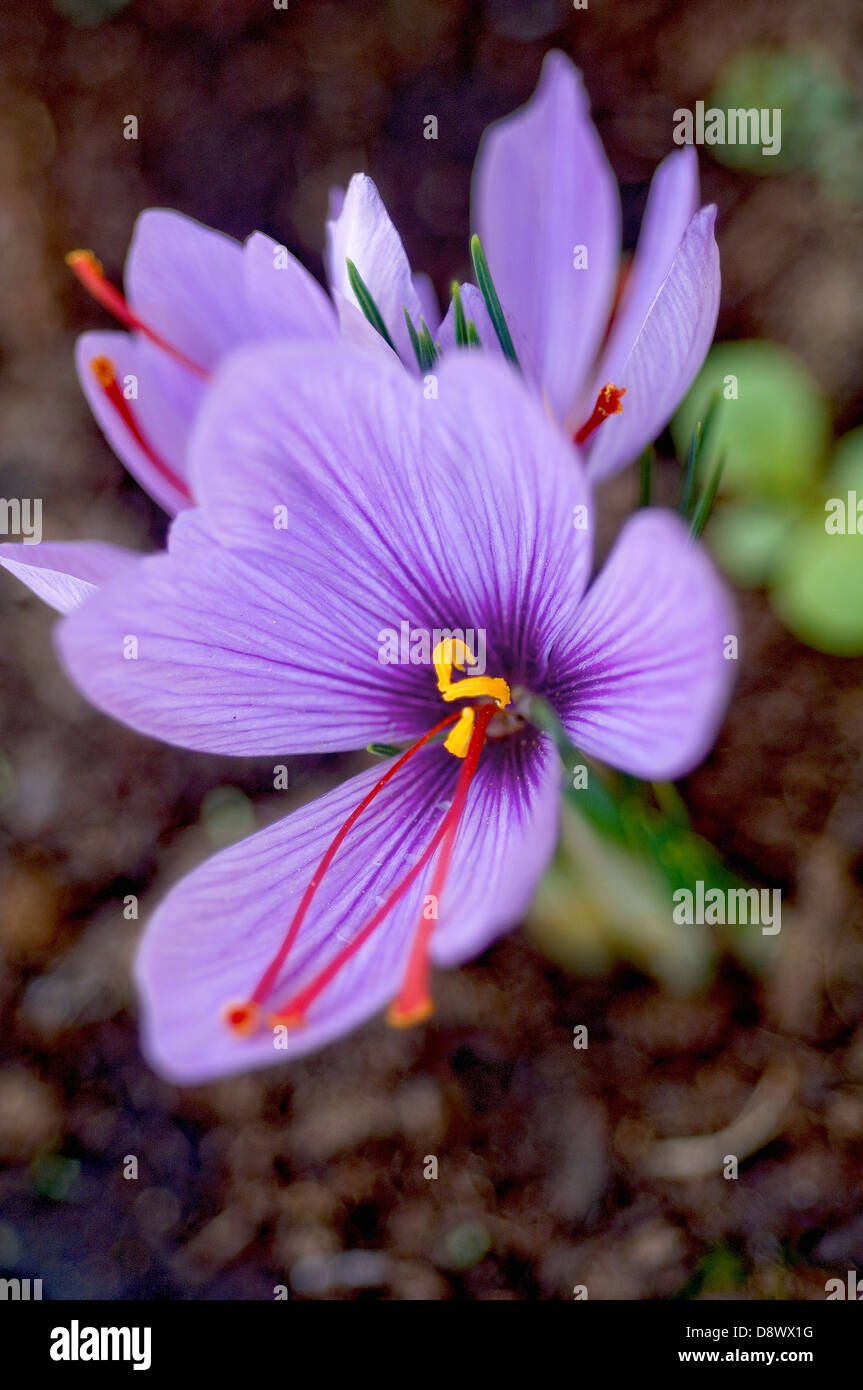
452 651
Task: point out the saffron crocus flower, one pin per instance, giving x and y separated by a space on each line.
192 296
460 513
546 208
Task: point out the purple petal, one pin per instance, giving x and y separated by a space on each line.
168 400
425 292
65 573
542 187
216 932
356 330
364 234
644 681
661 364
244 658
457 511
284 299
671 205
186 281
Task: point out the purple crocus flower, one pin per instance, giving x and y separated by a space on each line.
546 207
461 513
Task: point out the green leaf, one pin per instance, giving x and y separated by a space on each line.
817 103
645 476
706 501
415 340
461 337
818 591
489 294
745 538
367 303
774 436
383 750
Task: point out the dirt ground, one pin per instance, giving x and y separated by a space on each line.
554 1164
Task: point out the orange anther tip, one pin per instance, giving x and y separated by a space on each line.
103 370
80 257
399 1017
241 1018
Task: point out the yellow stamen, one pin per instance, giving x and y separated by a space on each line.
458 739
472 686
452 651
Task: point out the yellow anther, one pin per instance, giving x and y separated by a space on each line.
452 651
472 686
458 738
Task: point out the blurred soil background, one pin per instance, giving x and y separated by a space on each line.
554 1169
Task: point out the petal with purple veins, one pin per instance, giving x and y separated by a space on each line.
643 682
216 932
66 573
667 352
542 187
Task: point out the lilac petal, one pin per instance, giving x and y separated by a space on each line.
427 297
65 573
542 186
216 932
644 682
186 281
671 205
665 356
457 511
244 658
364 234
168 400
356 330
284 299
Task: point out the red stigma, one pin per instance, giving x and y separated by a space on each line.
103 370
607 403
271 974
91 275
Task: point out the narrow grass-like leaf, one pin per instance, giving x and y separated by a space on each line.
489 294
707 499
701 434
645 477
383 750
473 337
428 343
461 337
367 303
415 342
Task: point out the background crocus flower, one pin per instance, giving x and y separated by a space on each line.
251 639
192 295
546 207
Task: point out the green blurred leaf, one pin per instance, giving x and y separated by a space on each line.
846 474
745 538
817 103
774 435
227 815
818 591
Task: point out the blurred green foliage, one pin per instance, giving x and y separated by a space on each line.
822 116
772 527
